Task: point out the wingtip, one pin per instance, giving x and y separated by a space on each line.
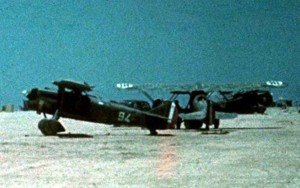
276 84
124 86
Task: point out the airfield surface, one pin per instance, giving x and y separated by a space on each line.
258 151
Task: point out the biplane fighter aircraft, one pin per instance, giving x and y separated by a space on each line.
72 100
225 100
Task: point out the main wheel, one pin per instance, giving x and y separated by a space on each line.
50 127
261 109
193 124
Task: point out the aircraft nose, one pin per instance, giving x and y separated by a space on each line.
31 94
26 93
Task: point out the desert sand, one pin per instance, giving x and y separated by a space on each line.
258 151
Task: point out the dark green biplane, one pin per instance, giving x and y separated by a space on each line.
72 100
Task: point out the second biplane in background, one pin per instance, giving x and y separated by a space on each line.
208 103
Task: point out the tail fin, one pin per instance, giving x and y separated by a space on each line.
167 115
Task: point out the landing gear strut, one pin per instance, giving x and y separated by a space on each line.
217 123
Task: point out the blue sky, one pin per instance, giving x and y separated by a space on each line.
106 42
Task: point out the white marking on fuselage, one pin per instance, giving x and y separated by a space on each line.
171 113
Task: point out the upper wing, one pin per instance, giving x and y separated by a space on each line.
167 87
201 86
73 85
246 86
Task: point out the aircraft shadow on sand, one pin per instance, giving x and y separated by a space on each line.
74 135
252 128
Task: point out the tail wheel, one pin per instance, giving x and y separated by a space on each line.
153 132
50 127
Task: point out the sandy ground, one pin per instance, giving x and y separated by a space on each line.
259 151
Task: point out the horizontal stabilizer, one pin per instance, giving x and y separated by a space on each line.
223 115
200 115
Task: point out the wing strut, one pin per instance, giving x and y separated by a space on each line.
147 95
